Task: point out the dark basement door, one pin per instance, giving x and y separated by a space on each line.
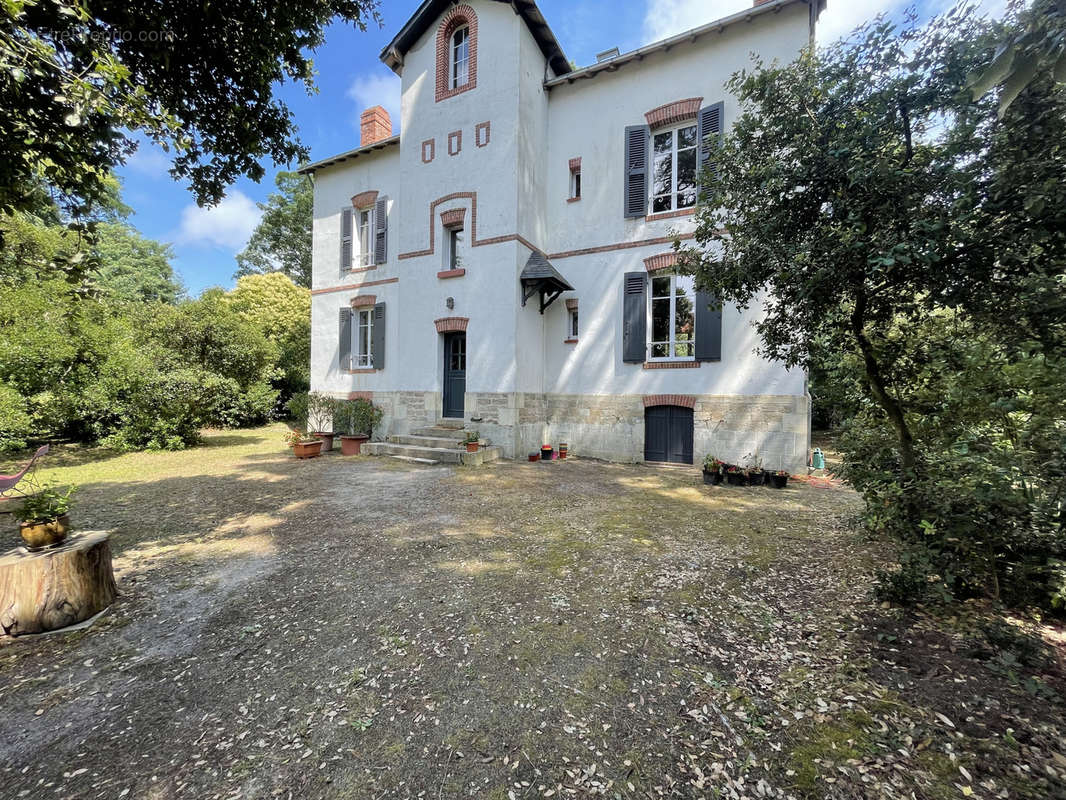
454 374
668 434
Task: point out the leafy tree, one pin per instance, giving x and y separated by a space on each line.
280 310
898 232
133 268
281 242
77 77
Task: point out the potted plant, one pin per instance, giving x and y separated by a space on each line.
357 419
735 476
779 479
321 409
303 446
754 470
43 519
712 470
546 452
534 455
471 441
564 448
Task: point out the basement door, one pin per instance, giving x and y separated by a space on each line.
668 434
454 374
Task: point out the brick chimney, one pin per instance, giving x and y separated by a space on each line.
374 125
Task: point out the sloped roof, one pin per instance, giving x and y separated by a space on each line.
430 10
381 144
538 268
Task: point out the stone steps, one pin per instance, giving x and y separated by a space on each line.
429 462
440 432
445 455
426 441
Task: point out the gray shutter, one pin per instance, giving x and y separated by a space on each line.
344 343
377 337
381 231
346 239
709 134
634 317
708 327
636 171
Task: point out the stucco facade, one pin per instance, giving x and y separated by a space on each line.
494 164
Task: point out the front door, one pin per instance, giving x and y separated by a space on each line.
668 434
454 374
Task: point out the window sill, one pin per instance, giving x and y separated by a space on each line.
569 341
671 364
354 270
451 273
361 371
684 212
572 199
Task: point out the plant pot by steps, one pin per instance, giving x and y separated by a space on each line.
736 478
563 450
307 449
534 456
546 452
756 478
352 445
471 447
712 478
327 440
779 481
44 534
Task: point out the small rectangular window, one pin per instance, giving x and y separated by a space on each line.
452 257
575 184
572 332
363 333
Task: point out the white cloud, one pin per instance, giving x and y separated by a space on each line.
229 224
665 18
148 159
377 89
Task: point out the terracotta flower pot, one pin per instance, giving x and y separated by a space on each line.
327 440
310 449
563 450
471 447
352 445
42 534
534 456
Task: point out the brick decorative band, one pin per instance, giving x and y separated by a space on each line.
660 261
575 164
453 218
676 111
349 286
571 304
684 400
474 241
451 324
364 199
451 273
364 300
607 248
671 364
460 15
481 134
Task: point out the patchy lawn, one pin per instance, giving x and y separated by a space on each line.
363 628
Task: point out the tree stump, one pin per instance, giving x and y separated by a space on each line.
53 588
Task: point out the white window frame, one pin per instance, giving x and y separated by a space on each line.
656 158
452 239
575 184
572 321
363 318
673 276
360 256
459 67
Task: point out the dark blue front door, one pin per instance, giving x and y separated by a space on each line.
454 374
668 434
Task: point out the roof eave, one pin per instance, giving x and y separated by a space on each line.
351 154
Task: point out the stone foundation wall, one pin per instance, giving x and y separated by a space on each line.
735 428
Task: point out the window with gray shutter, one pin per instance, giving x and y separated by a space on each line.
381 231
377 338
344 342
634 317
708 327
636 171
710 132
346 239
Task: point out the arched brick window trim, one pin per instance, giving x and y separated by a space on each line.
684 400
660 261
460 15
677 111
365 199
451 324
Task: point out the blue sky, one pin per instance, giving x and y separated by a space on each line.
351 78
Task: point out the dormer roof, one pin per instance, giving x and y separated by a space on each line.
430 11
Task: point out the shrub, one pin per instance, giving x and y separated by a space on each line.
357 416
15 421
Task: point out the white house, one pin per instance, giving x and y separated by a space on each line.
506 260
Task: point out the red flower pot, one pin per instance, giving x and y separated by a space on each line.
307 449
352 445
327 440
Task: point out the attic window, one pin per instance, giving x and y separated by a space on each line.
460 52
456 53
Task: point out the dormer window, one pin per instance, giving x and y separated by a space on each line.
460 61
